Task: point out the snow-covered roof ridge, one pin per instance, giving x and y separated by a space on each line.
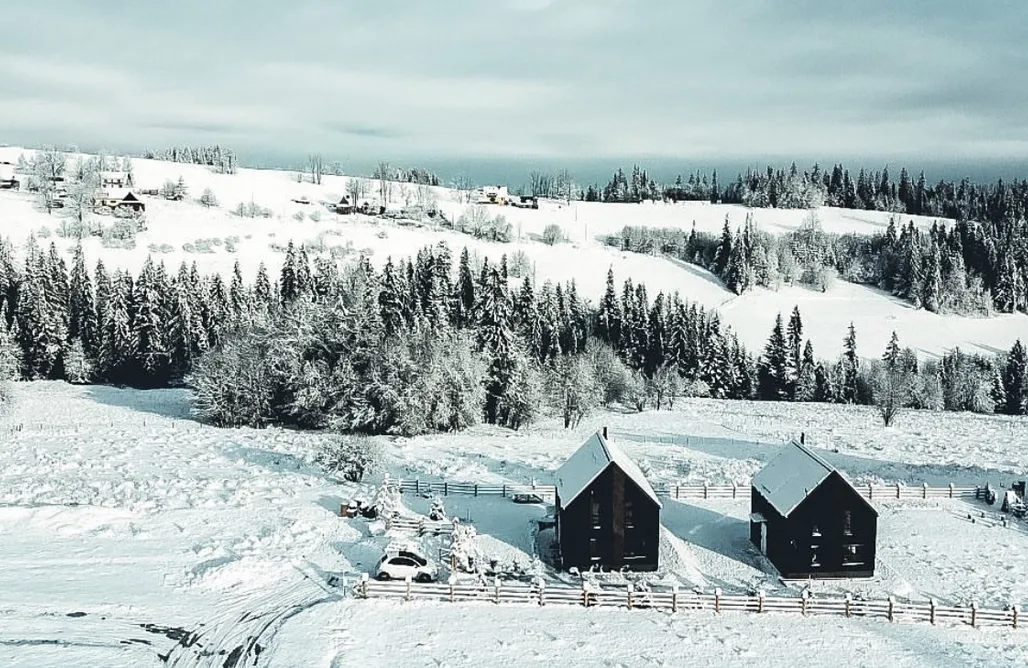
787 479
589 461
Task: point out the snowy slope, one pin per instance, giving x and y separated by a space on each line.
129 532
585 258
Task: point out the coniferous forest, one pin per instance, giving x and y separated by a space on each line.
434 343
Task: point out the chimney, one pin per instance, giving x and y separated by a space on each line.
605 433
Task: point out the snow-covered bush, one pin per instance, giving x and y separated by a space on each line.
438 511
208 198
77 367
352 457
463 553
553 234
120 234
387 501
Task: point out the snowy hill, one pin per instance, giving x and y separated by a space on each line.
131 535
174 228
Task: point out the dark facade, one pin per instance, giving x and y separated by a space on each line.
611 524
830 533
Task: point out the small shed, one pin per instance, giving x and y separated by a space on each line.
121 198
607 514
809 520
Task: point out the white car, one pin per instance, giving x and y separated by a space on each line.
401 565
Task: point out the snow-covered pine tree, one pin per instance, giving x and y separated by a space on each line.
608 316
806 382
150 332
288 282
795 343
850 367
1015 380
724 250
118 345
891 357
773 368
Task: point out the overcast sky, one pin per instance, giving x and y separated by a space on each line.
549 80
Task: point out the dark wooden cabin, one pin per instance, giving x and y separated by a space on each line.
809 520
608 515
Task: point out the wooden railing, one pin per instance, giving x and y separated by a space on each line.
499 592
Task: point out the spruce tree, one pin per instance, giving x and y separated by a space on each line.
795 343
288 284
773 373
724 250
608 316
1015 380
892 354
466 297
850 366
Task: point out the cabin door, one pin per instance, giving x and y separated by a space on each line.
763 538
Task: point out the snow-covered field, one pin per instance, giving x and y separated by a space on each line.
585 258
131 535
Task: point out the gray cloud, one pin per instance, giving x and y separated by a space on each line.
550 79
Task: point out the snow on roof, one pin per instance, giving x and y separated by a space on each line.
787 479
113 176
6 173
589 461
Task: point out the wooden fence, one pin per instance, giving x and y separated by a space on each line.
675 600
682 491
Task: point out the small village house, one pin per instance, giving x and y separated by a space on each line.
809 520
607 514
120 198
8 179
344 206
495 195
115 180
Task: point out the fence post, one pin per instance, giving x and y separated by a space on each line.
452 580
629 590
364 585
974 614
704 489
445 489
676 491
892 604
931 611
897 490
760 600
924 490
804 595
674 597
849 604
870 492
417 487
421 526
585 593
951 491
542 588
1016 609
476 489
735 489
717 600
409 580
503 491
496 586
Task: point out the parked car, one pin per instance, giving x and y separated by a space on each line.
400 565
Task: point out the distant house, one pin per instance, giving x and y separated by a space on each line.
495 195
809 521
115 180
607 514
120 198
344 206
526 202
8 179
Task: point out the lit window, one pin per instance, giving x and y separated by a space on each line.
629 514
594 512
815 531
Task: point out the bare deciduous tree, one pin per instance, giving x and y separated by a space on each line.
47 170
384 174
356 188
316 165
464 186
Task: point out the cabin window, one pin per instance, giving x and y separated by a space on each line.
847 523
814 561
594 511
853 555
594 549
629 514
815 531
